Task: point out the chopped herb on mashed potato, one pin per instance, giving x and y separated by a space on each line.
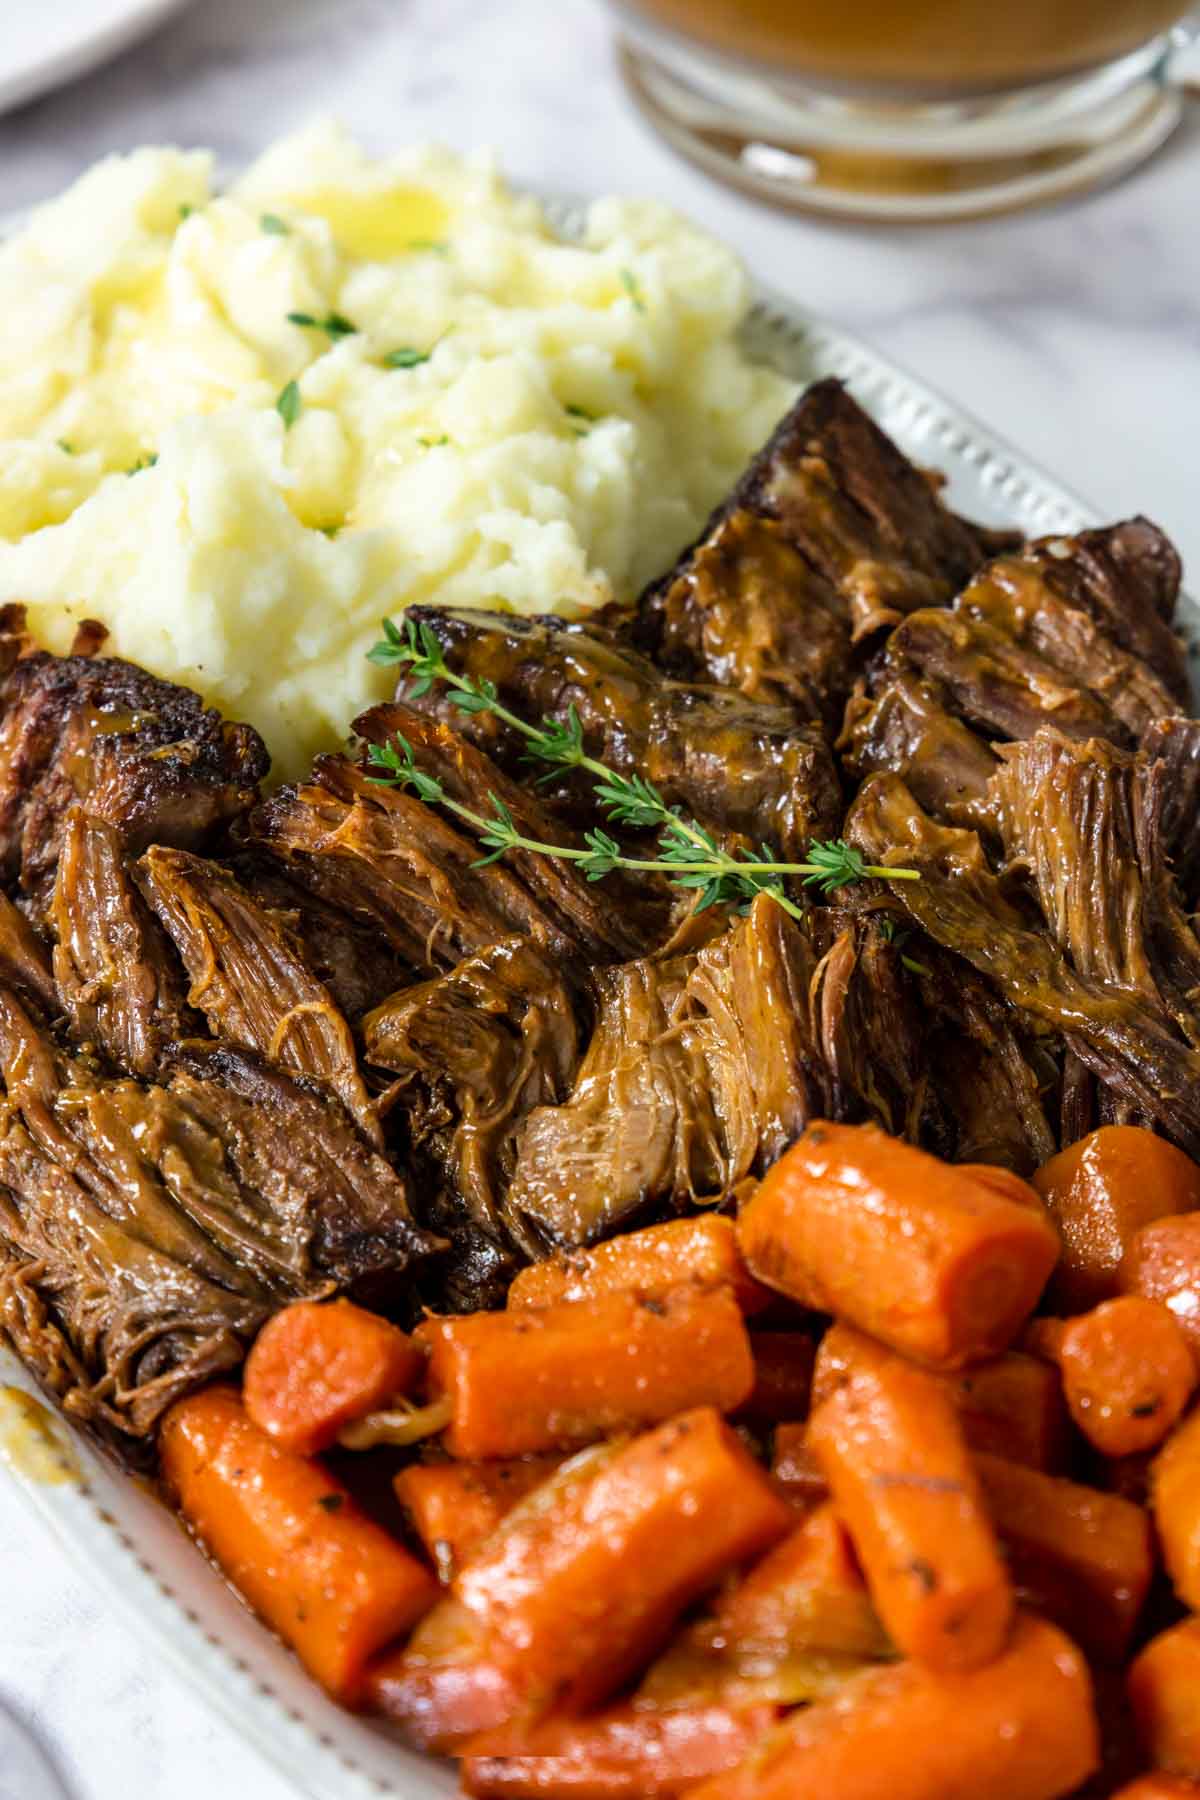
240 428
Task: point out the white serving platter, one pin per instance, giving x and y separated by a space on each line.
121 1539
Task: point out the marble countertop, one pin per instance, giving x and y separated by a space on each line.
1074 332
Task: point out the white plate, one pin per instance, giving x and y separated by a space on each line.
128 1545
44 43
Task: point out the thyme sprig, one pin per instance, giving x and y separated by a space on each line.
688 854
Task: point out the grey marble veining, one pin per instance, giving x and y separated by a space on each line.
1074 332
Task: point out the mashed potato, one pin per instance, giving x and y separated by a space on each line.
477 413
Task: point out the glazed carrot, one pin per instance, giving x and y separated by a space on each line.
549 1377
1162 1263
1013 1406
1010 1406
795 1468
291 1539
924 1256
649 1262
315 1367
1086 1558
783 1367
584 1578
1022 1728
1127 1371
893 1452
807 1593
1102 1190
1164 1686
625 1751
1175 1499
443 1687
455 1506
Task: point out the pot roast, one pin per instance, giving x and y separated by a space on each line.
260 1046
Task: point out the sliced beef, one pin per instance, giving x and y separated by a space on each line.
609 924
25 965
250 979
1085 819
1013 654
1004 688
989 1080
1176 744
908 729
1015 595
144 755
700 1071
397 868
868 1027
355 962
147 1231
962 905
862 515
338 1210
736 765
638 1128
474 1052
1126 577
117 978
746 610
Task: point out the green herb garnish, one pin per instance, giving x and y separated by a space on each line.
66 448
143 462
433 443
629 282
688 854
289 405
435 246
406 358
185 211
274 226
580 412
334 324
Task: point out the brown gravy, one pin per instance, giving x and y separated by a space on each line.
927 45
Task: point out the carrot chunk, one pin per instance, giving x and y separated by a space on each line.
551 1377
1023 1728
313 1368
291 1540
929 1258
1102 1190
1164 1686
1163 1263
807 1593
1010 1406
649 1262
443 1687
1127 1371
893 1451
1175 1499
783 1368
584 1579
1085 1558
455 1506
627 1751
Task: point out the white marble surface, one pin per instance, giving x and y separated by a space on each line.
1076 333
